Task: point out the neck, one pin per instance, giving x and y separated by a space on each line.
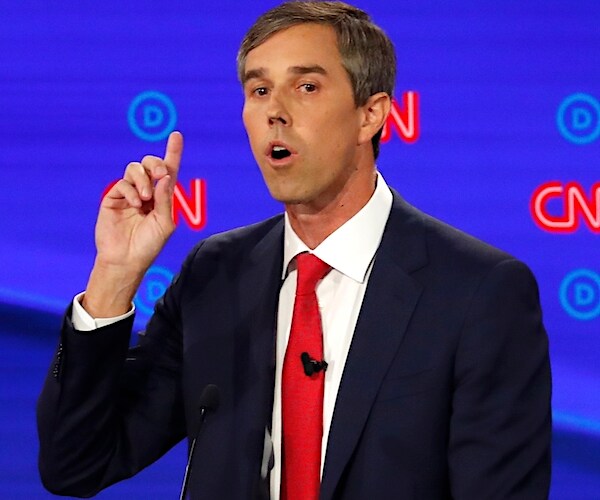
313 222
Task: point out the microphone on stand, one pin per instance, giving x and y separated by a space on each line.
209 402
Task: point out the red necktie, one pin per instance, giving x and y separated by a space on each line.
302 394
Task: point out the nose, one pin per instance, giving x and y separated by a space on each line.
277 112
277 118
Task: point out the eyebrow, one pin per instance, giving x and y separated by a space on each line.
303 70
296 70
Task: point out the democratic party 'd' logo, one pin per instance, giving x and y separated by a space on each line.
152 288
578 118
580 294
152 116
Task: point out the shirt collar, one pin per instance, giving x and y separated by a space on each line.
350 248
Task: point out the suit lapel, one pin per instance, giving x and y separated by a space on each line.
390 299
257 296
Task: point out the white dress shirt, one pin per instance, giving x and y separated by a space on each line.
83 322
350 251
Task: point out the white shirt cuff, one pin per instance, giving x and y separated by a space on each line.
83 322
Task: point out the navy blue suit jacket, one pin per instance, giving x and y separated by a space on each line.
445 392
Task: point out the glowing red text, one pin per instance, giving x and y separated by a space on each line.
189 206
403 119
571 205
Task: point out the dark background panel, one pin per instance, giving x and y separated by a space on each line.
490 78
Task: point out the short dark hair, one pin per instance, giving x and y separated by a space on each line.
367 53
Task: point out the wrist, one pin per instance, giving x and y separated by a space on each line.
110 290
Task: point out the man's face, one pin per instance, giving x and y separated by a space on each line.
300 116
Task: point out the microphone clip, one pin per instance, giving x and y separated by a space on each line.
312 366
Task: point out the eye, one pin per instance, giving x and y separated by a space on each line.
260 91
308 87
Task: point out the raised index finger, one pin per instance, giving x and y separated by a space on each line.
173 153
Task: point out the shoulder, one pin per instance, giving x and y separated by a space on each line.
230 251
240 240
445 254
442 240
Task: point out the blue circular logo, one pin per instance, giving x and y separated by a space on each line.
153 287
152 116
580 294
578 118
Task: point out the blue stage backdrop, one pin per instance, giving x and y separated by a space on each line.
495 129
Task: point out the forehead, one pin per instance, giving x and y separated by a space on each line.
302 44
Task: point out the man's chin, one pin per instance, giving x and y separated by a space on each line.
287 197
289 201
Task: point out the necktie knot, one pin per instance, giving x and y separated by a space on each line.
311 270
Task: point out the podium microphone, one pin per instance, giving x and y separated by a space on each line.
209 402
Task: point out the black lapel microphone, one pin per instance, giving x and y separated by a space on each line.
209 402
312 365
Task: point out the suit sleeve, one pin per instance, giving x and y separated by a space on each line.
106 411
500 428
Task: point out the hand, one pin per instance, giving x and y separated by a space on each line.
134 223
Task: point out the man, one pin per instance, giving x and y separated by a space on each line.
434 366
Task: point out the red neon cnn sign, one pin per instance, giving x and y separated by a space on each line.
189 206
575 205
404 119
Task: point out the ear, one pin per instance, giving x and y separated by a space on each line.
374 114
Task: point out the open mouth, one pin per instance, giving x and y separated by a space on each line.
279 152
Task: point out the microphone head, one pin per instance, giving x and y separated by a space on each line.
209 399
307 364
